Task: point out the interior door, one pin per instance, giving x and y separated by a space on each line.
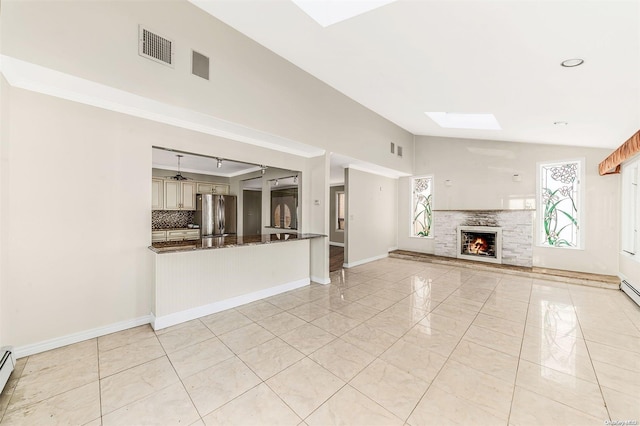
252 212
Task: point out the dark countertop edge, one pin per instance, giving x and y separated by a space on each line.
175 229
194 247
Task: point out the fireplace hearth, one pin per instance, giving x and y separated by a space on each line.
480 243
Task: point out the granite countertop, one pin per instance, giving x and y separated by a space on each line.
228 241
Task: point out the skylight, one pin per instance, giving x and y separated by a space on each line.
329 12
454 120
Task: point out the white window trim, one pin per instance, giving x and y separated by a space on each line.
411 180
628 224
581 209
338 210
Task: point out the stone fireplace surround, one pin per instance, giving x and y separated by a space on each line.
517 232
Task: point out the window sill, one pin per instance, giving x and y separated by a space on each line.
559 248
628 255
430 237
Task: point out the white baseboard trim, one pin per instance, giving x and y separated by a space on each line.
165 321
58 342
331 243
319 280
363 261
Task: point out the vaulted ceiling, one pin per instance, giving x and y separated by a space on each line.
406 58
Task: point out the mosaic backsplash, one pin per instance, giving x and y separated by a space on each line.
161 219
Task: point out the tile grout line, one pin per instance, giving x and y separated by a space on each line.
524 331
6 410
454 348
595 373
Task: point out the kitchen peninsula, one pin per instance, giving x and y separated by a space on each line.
199 277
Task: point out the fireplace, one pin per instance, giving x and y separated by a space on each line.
481 243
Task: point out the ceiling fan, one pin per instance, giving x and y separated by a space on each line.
178 176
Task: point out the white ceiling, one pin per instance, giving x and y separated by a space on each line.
476 56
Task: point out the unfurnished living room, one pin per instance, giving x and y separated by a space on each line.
314 212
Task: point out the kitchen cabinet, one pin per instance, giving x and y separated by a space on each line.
157 194
183 234
158 236
179 195
212 188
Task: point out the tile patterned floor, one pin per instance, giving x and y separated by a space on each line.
390 342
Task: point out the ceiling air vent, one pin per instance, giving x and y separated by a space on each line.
155 47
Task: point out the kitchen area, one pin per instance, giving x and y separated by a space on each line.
215 225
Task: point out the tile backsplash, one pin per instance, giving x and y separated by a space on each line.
161 219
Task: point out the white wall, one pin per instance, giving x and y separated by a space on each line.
481 178
4 187
371 229
316 209
76 194
101 275
249 85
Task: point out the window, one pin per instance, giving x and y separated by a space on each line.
340 210
421 206
559 204
629 208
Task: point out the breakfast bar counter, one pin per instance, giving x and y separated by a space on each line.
192 279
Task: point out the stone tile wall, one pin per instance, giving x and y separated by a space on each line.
517 232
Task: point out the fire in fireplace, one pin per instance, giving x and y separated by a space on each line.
480 243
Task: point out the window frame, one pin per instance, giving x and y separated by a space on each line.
630 209
540 239
412 180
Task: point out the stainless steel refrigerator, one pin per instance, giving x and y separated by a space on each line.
215 214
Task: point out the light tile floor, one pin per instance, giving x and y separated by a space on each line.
390 342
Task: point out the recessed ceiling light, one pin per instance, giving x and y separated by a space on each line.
570 63
329 12
454 120
560 123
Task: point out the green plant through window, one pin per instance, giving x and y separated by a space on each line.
422 216
560 204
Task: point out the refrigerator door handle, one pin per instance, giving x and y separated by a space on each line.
222 214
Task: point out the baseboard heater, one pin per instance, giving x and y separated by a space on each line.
632 291
7 363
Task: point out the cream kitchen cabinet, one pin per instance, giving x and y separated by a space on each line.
158 236
212 188
183 234
157 194
179 195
